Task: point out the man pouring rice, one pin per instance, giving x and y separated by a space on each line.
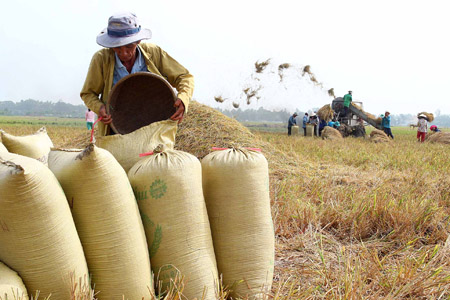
124 54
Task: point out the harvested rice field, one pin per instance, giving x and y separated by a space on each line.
353 219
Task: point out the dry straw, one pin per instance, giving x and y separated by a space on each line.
438 137
325 112
251 92
378 136
281 69
329 133
261 66
430 116
307 70
331 93
219 99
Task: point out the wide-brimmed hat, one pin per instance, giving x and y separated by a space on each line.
123 29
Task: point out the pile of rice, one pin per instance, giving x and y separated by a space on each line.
326 113
329 133
438 137
430 116
378 136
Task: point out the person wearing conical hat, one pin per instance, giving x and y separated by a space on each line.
124 54
422 128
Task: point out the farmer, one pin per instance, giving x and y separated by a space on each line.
305 121
90 118
434 128
386 124
124 54
322 124
313 120
291 122
422 128
347 101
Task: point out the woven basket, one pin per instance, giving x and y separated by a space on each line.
138 100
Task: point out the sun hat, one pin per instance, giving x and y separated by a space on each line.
123 29
433 127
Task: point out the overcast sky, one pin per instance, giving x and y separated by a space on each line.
393 55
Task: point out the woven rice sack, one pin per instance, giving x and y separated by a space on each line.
36 145
168 187
295 130
11 285
438 137
38 238
309 130
127 147
3 148
236 189
329 133
107 220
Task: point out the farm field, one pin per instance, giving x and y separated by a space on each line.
353 219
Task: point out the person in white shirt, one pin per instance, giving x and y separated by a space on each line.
422 128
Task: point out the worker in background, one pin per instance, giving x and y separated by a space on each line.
434 128
90 118
422 128
124 54
386 124
347 100
305 121
313 120
322 124
334 124
292 121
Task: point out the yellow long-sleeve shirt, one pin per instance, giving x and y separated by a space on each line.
99 79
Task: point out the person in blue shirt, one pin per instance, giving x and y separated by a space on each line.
386 124
291 122
322 124
305 121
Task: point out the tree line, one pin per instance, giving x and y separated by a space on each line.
32 107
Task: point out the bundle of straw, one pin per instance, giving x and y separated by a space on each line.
219 99
378 136
438 137
430 116
260 66
329 133
325 113
331 93
281 69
